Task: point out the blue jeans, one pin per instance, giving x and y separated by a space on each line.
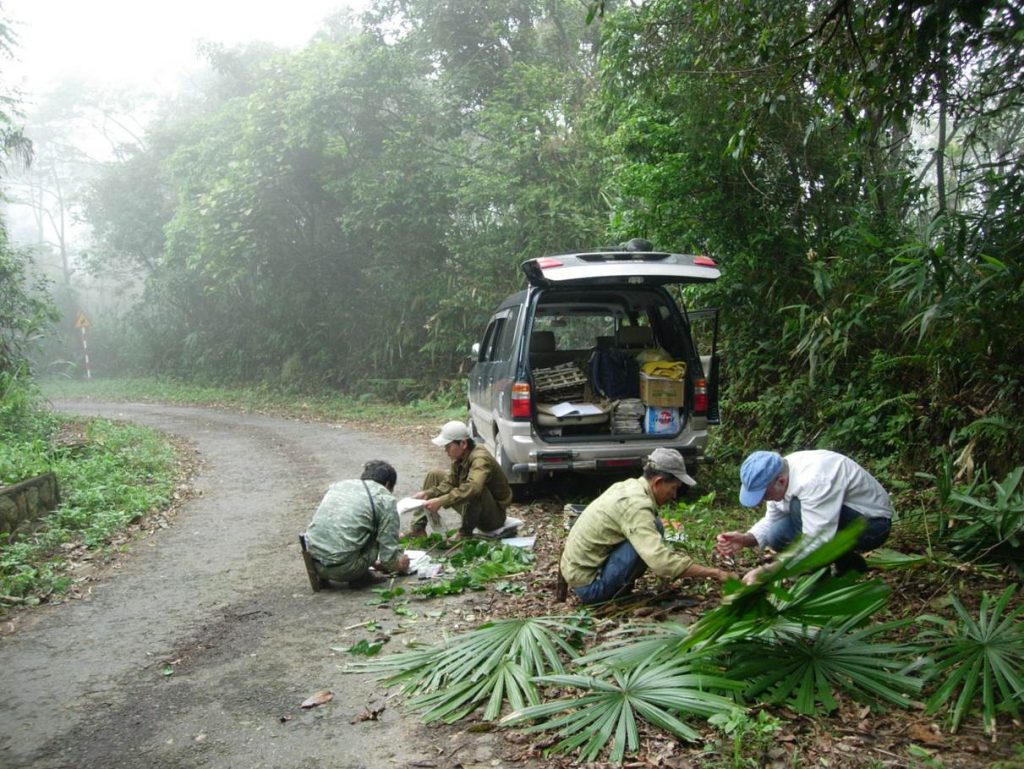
621 568
785 530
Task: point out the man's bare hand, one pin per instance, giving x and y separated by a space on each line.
433 505
729 543
403 564
419 495
754 574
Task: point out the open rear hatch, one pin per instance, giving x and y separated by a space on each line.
632 267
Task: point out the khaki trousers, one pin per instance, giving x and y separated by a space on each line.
481 512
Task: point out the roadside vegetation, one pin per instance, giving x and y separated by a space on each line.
430 410
921 664
110 476
322 233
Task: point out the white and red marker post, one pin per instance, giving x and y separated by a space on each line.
82 323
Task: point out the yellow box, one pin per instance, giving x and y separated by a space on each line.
659 391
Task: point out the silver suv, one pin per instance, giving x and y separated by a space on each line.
555 385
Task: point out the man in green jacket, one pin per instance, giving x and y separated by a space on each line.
355 528
619 535
475 486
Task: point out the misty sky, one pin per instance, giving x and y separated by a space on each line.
144 43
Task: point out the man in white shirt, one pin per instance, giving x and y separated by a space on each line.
813 494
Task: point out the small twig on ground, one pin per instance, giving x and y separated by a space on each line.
361 624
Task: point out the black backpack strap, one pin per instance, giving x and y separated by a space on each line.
373 507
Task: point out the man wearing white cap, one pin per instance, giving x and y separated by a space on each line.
475 486
809 494
619 535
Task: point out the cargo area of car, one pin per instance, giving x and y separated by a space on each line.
604 365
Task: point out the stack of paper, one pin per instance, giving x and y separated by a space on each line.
421 564
628 416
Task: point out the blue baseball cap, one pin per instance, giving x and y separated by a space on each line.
756 475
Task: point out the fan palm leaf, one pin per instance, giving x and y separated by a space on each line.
506 682
988 650
491 664
613 699
804 666
812 600
747 608
632 644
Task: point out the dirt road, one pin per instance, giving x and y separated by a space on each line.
221 598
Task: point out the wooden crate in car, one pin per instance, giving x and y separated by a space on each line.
563 382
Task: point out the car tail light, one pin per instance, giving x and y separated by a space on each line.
617 464
546 262
700 396
704 261
521 400
556 460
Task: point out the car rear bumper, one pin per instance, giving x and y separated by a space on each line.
529 453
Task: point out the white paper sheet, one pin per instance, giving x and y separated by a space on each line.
408 503
567 409
526 543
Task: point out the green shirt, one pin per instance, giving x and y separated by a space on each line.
469 476
625 511
346 524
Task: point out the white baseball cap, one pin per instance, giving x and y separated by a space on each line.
452 431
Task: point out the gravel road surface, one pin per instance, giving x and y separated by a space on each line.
221 598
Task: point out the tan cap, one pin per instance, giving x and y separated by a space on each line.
671 462
452 431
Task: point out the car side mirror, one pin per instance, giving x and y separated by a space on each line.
475 351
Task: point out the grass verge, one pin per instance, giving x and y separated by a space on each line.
110 476
323 406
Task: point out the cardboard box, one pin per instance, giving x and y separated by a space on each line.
659 391
661 420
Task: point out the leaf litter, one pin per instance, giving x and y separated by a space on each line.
851 737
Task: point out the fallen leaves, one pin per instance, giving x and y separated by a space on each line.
370 713
927 733
315 700
365 648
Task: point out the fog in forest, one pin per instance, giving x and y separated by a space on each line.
341 208
89 79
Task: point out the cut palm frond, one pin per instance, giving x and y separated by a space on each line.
813 598
987 651
887 558
506 682
817 599
751 604
612 700
493 663
632 644
803 666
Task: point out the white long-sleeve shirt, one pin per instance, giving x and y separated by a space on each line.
824 481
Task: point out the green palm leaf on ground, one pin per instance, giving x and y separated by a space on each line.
804 666
613 700
799 591
632 644
507 681
988 651
493 663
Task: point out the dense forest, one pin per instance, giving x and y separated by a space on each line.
342 218
345 216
